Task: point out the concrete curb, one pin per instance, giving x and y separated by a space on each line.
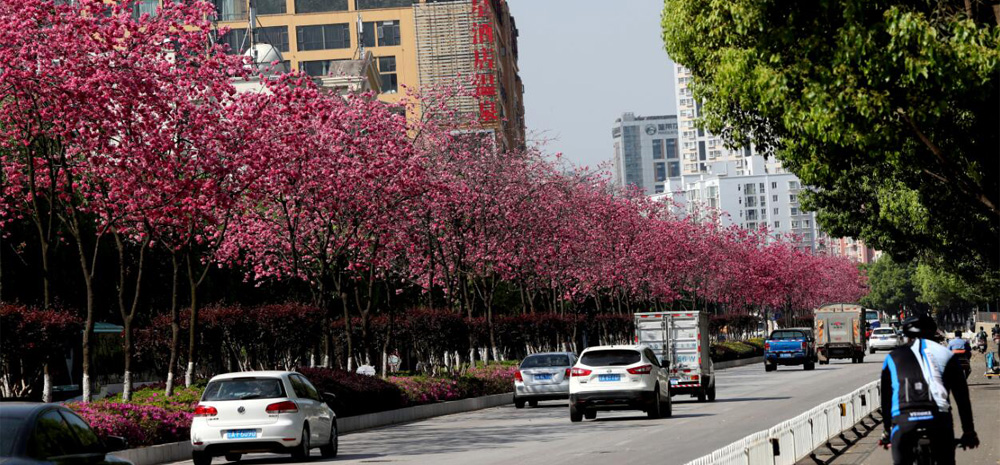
408 414
153 455
739 363
178 451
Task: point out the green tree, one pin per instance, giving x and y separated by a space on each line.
890 285
888 108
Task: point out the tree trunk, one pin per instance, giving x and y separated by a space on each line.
192 325
175 327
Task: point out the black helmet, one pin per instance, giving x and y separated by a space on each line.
921 326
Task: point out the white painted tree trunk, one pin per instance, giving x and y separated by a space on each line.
46 387
86 388
189 375
127 388
170 382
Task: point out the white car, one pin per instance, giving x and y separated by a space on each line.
625 377
883 339
261 411
542 377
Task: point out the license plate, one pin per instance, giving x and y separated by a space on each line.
786 355
241 434
673 380
609 377
544 377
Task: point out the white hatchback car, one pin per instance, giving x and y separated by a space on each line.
261 411
883 339
626 377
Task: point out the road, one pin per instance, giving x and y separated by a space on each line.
749 400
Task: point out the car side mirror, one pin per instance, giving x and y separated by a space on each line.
115 443
330 398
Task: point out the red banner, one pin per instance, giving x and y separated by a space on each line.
484 64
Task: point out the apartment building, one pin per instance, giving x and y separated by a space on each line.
645 151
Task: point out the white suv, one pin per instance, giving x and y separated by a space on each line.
883 339
627 377
261 411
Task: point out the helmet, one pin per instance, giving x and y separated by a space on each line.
921 326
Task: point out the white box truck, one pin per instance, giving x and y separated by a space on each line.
839 331
680 340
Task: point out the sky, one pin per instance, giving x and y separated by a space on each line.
583 64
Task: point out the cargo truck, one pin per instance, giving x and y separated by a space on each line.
839 331
680 340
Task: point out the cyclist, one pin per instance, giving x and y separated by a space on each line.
963 351
916 380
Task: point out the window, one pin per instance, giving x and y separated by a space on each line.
141 7
777 224
761 188
316 67
52 437
657 149
671 146
793 184
235 40
318 6
271 7
546 361
751 215
774 185
774 198
806 223
674 169
751 201
368 34
658 189
88 441
795 224
323 37
750 189
388 33
243 388
610 357
274 35
751 225
776 211
701 151
231 10
373 4
309 391
795 211
660 172
793 198
299 387
387 70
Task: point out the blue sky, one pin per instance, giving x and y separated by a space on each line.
584 63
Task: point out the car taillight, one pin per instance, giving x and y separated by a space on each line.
282 407
205 411
767 346
803 345
580 372
517 376
567 372
694 377
643 370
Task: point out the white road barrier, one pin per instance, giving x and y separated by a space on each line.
793 440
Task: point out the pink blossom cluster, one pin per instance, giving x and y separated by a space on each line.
140 425
425 390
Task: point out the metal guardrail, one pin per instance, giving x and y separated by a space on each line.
793 440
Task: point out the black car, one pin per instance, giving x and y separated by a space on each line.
49 433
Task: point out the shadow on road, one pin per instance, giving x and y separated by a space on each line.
750 399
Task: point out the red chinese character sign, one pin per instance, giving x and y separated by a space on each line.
484 65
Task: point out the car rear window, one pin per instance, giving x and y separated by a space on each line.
543 361
781 335
884 331
9 427
610 358
244 388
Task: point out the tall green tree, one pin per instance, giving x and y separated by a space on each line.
890 285
888 108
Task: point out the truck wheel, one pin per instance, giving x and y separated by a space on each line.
809 366
590 414
518 403
575 415
871 351
711 393
861 359
533 403
702 395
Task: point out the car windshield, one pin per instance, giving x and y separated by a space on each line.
784 335
9 426
610 358
244 388
544 361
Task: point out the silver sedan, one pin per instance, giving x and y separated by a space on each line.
543 377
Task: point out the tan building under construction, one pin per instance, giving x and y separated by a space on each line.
416 44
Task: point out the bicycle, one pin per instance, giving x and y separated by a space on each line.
922 453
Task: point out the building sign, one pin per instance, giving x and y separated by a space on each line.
484 65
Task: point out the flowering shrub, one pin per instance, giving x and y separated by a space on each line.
356 394
183 400
426 389
492 379
140 425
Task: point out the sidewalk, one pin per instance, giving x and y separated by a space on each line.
985 394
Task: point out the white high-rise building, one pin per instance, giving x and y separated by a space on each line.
645 151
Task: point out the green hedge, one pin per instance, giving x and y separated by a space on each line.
735 350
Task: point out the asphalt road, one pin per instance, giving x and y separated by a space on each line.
749 400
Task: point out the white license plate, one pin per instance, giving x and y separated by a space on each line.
673 380
241 434
786 355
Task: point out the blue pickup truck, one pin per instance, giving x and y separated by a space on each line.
792 346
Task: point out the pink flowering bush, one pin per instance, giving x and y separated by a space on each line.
426 389
183 400
140 425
